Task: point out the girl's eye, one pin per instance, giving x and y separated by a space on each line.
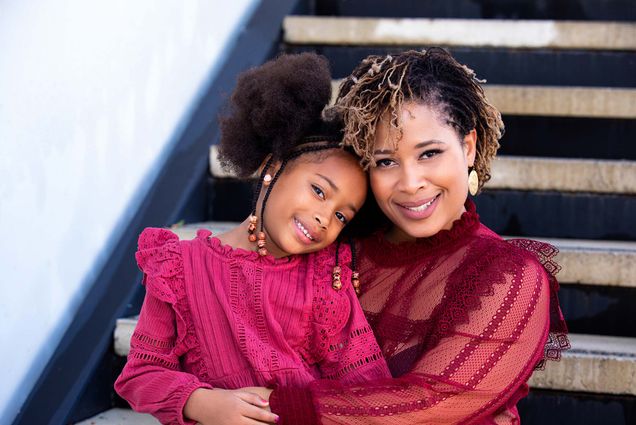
384 162
430 153
318 191
340 216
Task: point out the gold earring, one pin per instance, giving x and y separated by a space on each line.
473 182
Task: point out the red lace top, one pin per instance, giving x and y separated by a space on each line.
215 316
463 318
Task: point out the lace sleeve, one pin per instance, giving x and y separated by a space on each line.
475 372
152 380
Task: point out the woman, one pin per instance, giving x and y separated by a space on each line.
462 316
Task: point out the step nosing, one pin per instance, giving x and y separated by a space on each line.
529 34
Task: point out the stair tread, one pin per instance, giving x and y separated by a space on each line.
119 416
597 364
559 101
563 174
532 34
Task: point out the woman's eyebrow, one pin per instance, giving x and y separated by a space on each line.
418 146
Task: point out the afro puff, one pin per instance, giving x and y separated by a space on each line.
273 107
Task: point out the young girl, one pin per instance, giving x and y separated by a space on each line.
463 317
270 302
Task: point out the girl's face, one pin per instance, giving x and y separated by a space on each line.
312 201
422 186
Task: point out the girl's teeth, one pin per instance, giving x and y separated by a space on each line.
305 232
423 206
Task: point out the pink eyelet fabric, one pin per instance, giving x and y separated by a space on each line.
219 317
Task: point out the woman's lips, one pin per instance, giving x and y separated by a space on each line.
418 210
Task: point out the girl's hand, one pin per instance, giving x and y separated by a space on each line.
263 392
228 407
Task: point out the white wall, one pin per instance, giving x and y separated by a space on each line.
91 94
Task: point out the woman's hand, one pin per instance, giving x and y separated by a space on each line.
229 407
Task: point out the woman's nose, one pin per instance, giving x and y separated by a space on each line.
412 180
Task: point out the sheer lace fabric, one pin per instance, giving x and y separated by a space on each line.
463 318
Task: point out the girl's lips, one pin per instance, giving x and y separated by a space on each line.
418 210
304 233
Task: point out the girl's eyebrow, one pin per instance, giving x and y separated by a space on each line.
336 189
418 146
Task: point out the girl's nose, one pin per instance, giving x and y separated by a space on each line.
412 180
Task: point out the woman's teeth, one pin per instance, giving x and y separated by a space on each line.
302 229
423 206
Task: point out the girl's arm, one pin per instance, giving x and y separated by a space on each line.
152 380
474 375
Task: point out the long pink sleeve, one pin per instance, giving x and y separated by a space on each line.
153 380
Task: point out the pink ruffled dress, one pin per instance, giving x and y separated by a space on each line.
215 316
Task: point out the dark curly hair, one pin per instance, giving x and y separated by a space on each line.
382 84
275 108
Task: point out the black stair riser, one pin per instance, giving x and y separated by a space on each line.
507 66
543 407
558 215
602 10
229 199
562 137
599 310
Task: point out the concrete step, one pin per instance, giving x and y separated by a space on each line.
525 34
120 416
595 364
606 263
563 175
593 10
540 174
582 102
598 364
585 102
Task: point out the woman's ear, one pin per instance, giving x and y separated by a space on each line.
470 147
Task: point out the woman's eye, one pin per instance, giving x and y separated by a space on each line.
431 153
340 216
381 163
318 191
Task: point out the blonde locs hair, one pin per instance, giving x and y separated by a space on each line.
380 85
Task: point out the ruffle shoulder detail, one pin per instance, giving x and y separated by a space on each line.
545 254
331 308
159 257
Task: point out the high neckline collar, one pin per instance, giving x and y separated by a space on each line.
385 252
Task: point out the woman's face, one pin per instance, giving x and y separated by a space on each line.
422 185
312 201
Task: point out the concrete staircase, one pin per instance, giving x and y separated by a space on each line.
566 174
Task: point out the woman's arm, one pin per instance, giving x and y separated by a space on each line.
469 377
